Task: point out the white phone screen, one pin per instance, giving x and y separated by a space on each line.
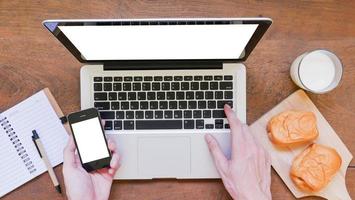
90 140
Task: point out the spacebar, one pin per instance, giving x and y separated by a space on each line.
158 124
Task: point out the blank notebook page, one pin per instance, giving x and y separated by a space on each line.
20 161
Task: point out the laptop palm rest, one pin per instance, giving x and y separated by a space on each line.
164 157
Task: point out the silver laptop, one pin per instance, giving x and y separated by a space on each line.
161 85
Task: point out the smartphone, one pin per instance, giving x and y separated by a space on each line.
90 140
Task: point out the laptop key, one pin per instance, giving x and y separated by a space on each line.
100 96
206 114
107 115
112 96
218 78
117 125
197 78
226 85
177 114
163 105
115 105
158 114
168 114
187 78
158 124
129 114
160 95
148 78
128 125
97 79
180 95
117 86
134 105
218 114
117 79
124 105
208 78
170 95
218 95
228 95
107 79
127 87
155 86
142 95
189 124
137 86
200 124
165 86
146 86
208 95
197 114
204 85
151 95
119 115
153 105
97 86
175 86
209 126
144 105
211 104
201 104
158 78
132 96
182 104
194 85
190 95
213 85
139 115
149 114
107 86
187 114
185 86
172 104
177 78
192 104
199 95
138 78
168 78
226 126
127 78
228 77
102 105
108 125
220 104
122 96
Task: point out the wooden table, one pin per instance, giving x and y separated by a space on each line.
31 59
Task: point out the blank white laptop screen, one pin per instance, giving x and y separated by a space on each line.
169 42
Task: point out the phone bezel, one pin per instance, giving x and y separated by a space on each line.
82 116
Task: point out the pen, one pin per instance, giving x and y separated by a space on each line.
43 155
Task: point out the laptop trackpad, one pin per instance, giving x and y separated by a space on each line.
164 157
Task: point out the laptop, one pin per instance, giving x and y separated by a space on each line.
161 85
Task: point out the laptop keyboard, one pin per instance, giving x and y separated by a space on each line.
163 102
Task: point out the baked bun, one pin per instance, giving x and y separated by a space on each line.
292 128
312 170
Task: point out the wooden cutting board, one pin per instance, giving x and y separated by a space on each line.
282 159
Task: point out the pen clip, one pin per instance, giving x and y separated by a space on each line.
34 138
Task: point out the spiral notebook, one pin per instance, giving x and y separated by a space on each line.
19 158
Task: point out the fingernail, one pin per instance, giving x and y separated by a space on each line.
226 106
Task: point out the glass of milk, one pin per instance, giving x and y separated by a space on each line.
318 71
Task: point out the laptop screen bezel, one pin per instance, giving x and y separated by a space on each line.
263 25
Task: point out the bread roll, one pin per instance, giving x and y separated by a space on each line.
312 170
292 128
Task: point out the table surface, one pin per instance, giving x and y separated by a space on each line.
31 59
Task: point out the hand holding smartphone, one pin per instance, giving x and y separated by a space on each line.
90 140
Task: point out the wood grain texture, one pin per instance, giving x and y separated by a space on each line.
31 59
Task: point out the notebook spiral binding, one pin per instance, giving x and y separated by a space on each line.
21 151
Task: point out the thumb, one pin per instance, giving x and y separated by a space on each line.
69 152
219 159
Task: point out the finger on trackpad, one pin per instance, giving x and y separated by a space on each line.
164 157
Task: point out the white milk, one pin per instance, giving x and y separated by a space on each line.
317 71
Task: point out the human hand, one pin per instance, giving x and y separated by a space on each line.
247 174
80 184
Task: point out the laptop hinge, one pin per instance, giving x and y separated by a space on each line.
162 65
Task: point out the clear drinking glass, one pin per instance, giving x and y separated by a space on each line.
317 71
